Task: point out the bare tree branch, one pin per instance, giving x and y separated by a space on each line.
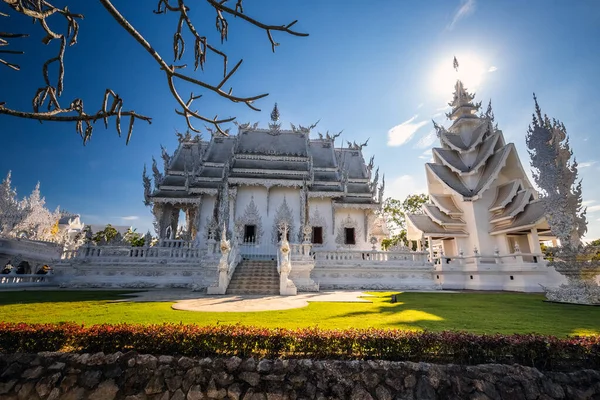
47 96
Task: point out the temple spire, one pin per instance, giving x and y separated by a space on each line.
275 125
275 114
462 103
455 64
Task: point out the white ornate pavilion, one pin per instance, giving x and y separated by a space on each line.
483 221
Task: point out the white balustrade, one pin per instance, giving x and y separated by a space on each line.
17 279
176 249
68 254
301 251
369 257
175 243
513 258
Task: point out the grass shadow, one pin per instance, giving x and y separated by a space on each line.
66 296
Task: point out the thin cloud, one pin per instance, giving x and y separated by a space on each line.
420 105
492 69
427 141
130 218
466 8
443 108
405 185
427 155
593 208
587 202
403 133
586 164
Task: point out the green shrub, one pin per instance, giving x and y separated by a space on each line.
546 352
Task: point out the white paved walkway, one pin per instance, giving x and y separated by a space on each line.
191 301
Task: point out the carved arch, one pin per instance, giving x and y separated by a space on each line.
251 216
283 215
348 222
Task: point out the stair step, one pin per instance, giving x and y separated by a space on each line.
255 277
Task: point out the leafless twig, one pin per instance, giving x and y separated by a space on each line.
41 10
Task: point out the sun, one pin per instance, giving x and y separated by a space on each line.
471 71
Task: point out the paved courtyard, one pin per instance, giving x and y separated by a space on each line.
191 301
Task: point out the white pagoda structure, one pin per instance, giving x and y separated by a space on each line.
483 223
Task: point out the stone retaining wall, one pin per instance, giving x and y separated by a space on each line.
135 377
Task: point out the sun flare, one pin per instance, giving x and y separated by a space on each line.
471 71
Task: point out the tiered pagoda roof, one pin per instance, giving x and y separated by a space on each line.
472 159
267 157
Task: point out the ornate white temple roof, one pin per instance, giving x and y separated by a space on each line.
474 158
427 227
505 193
532 216
440 218
271 157
457 142
446 204
516 206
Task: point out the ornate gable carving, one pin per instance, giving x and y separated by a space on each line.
251 216
211 230
347 222
284 215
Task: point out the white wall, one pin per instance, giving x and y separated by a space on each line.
357 215
275 200
206 212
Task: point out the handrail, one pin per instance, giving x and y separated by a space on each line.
19 279
369 256
132 253
536 258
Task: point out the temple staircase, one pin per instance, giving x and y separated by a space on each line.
255 277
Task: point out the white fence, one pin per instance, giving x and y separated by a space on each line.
258 251
16 280
514 258
370 257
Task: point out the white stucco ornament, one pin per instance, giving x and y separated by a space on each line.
556 174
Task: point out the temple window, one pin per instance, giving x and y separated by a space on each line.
349 237
317 235
249 233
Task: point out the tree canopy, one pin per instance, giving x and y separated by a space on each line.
46 101
394 211
28 217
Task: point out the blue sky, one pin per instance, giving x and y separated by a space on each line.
376 70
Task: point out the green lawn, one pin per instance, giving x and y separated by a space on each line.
474 312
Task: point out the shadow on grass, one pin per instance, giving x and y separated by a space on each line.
62 296
481 313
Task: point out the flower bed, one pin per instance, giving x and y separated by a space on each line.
545 352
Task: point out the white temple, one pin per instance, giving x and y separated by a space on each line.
484 223
274 211
260 178
265 211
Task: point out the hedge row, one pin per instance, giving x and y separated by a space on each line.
546 352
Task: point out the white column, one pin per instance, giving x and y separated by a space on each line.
534 243
430 249
232 207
